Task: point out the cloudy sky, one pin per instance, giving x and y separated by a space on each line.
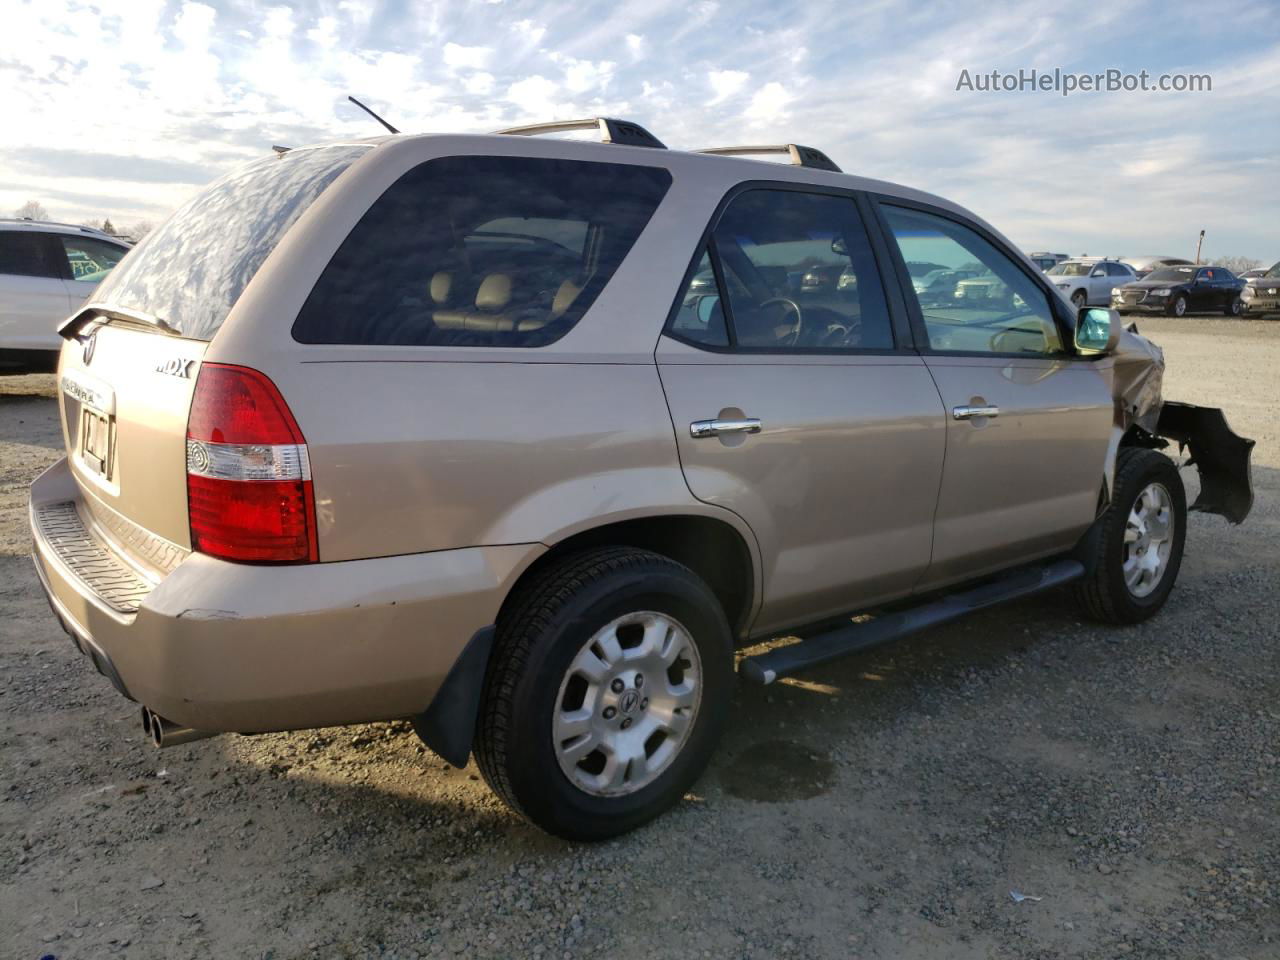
123 109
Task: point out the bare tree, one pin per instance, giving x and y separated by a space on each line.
32 210
139 230
1239 264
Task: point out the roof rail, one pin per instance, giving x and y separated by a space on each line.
801 155
55 223
611 131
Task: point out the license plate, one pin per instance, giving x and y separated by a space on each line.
95 441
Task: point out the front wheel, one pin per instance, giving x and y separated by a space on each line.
1179 306
1235 308
607 691
1136 550
1078 299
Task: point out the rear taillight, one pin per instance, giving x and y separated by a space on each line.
249 491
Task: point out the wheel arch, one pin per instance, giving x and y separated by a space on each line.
712 547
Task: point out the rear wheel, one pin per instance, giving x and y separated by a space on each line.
1138 546
607 691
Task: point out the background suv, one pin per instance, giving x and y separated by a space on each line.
1089 280
518 438
1261 295
47 270
1045 260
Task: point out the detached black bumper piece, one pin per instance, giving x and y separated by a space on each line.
1221 456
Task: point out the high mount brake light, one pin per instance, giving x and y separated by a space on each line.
249 495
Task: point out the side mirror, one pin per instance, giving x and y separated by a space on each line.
1097 330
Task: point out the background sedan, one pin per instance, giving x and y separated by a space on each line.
1177 291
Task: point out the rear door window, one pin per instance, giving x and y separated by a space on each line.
25 253
482 251
90 260
798 275
190 270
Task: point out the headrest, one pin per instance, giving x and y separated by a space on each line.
565 296
441 284
494 292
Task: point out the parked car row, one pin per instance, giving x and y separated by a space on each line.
1160 284
1146 284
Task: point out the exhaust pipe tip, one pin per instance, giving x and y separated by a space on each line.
166 733
146 722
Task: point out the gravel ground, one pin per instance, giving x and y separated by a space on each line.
884 806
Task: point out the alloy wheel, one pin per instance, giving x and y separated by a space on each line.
627 704
1148 540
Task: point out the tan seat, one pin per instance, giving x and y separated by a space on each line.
441 287
490 313
564 299
450 318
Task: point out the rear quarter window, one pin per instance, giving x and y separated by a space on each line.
191 269
482 251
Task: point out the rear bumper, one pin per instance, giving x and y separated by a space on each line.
230 647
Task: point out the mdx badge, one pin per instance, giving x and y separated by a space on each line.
176 368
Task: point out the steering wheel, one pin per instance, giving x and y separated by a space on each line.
794 308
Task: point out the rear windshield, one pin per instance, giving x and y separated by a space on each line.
190 270
1176 274
482 251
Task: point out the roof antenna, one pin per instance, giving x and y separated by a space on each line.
372 114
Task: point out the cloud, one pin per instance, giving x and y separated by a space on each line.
725 83
769 103
530 31
476 58
581 76
534 96
480 84
124 109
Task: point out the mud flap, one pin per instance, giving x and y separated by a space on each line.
1222 457
448 725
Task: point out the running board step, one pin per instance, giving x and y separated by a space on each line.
825 647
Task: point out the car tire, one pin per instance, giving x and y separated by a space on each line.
1178 308
1079 299
1122 585
590 608
1235 308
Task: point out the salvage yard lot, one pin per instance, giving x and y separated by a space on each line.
884 806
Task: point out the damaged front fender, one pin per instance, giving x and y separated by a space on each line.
1219 454
1143 417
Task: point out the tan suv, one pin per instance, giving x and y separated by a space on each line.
520 437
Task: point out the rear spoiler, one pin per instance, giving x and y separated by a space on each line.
71 328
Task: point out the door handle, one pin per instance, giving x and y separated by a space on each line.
968 413
715 428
